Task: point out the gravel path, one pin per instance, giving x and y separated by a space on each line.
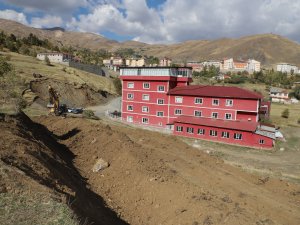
112 105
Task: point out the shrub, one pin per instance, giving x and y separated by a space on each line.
47 61
298 121
118 85
285 113
5 67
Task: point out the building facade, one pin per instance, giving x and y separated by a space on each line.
135 62
287 68
165 62
55 57
163 97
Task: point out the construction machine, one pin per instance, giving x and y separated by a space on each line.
54 105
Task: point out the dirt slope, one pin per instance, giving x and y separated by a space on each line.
47 168
158 179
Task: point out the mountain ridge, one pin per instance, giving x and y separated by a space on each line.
267 48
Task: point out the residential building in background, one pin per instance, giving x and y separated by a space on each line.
163 97
196 66
55 57
279 95
215 63
114 63
134 62
165 62
253 65
287 68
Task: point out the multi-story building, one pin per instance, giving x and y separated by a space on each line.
165 62
196 66
55 57
286 68
133 62
163 97
279 95
215 63
253 65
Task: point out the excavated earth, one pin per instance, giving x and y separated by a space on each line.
152 178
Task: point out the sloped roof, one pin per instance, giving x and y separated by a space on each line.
219 123
215 91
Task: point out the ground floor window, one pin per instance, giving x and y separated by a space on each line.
213 133
130 119
179 128
225 134
237 136
261 141
190 130
145 120
201 131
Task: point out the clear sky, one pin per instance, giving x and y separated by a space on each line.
160 21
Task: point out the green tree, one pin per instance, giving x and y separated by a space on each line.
5 67
285 113
47 61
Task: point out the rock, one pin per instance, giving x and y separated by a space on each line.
281 149
100 165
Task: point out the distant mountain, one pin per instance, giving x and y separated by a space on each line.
267 48
54 29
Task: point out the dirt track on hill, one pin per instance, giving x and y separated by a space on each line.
158 179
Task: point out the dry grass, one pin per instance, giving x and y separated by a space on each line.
25 66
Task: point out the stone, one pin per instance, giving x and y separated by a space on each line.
100 165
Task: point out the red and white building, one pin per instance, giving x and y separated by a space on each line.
163 97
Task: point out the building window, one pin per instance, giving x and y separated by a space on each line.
161 88
145 109
261 141
198 100
190 130
160 114
228 116
229 102
130 85
146 85
129 108
225 134
237 136
178 99
201 131
129 96
215 101
160 101
179 128
145 120
146 97
178 111
214 115
130 119
197 113
213 133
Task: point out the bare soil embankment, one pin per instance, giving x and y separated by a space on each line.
37 168
158 179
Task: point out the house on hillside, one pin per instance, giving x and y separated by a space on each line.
55 57
196 66
279 95
114 63
163 97
165 62
251 65
134 62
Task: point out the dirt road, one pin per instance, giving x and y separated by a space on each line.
158 179
112 105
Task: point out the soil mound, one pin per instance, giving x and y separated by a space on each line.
46 164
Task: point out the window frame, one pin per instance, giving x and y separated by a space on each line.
228 114
129 106
130 94
199 103
213 133
201 133
146 99
177 113
238 136
160 112
215 99
128 84
145 84
159 86
261 141
197 112
178 97
213 114
129 120
160 99
145 119
229 104
225 136
190 130
145 107
179 130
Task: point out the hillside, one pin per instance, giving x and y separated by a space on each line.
267 48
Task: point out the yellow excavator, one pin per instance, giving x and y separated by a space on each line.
54 105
